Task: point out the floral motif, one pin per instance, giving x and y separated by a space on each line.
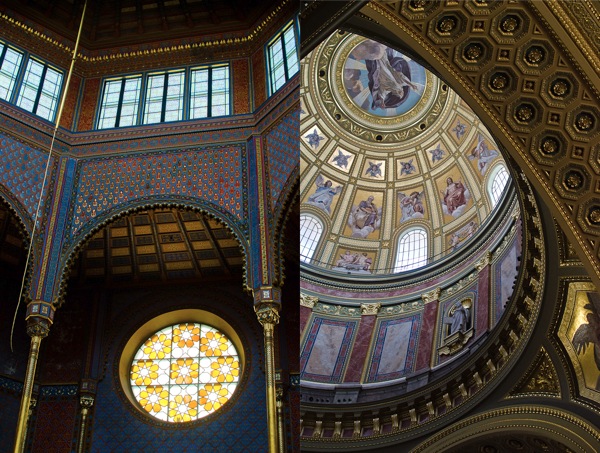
183 408
153 399
225 369
157 346
214 343
185 335
184 371
143 372
213 396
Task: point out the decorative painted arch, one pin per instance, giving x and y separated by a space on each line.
18 210
72 247
283 214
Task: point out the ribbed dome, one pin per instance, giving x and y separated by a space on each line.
389 149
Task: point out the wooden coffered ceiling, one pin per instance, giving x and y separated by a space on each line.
111 23
159 245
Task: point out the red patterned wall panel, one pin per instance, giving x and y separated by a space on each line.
68 113
54 426
259 77
88 105
241 87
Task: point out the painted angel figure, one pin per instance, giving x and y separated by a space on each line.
589 334
388 73
314 139
483 154
459 129
411 205
437 154
341 160
407 168
324 194
374 169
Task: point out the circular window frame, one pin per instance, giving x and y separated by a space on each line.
149 328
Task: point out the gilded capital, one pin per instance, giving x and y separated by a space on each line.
267 313
484 261
308 301
370 309
432 295
86 401
38 327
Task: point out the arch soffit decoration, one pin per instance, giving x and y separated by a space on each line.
545 113
72 248
18 210
559 425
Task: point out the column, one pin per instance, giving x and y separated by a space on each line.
267 305
39 318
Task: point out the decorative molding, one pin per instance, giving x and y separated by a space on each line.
540 379
308 301
370 309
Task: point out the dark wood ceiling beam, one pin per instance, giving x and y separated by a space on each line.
95 19
75 15
161 264
118 8
215 244
163 16
186 12
212 14
186 239
139 13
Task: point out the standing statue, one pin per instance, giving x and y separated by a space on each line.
459 320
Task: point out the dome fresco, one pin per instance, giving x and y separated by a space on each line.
410 248
388 149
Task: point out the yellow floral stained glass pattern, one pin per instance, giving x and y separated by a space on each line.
185 372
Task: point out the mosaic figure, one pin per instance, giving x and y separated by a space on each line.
407 168
324 194
483 154
364 218
437 154
589 334
411 205
341 160
374 169
314 139
455 198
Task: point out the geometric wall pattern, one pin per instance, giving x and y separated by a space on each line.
281 147
22 171
210 174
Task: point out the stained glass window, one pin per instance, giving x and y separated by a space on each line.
282 58
185 372
412 250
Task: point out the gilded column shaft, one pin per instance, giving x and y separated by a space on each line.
27 390
268 316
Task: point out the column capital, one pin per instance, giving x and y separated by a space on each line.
370 309
308 301
485 260
432 295
267 313
38 327
86 401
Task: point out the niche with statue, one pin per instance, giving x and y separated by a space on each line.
458 326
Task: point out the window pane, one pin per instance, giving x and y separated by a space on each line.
290 51
31 83
412 250
310 233
49 96
109 104
8 72
131 102
174 100
282 53
498 184
199 94
154 98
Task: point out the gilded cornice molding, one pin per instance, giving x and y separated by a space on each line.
370 309
308 301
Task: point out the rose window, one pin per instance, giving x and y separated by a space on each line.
184 372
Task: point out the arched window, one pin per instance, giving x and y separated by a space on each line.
310 233
412 250
498 180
